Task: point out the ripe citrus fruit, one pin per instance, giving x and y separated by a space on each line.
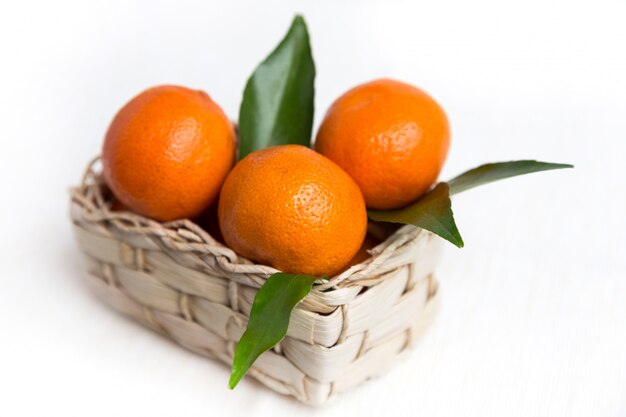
391 137
294 209
167 152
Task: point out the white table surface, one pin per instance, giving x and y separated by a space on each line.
533 321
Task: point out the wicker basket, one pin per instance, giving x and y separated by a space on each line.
176 279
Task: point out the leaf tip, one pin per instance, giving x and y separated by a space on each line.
554 165
235 377
299 22
455 239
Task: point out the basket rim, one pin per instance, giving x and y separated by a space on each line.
186 236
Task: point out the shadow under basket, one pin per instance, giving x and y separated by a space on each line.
178 280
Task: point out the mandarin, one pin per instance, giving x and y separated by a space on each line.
392 138
294 209
167 152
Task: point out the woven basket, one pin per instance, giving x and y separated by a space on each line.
178 280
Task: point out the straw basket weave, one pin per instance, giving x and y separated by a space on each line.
176 279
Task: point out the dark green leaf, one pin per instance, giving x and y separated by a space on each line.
269 319
431 212
487 173
277 106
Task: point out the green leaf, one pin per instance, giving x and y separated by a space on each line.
432 212
487 173
269 319
277 106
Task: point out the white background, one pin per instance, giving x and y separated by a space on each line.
533 321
